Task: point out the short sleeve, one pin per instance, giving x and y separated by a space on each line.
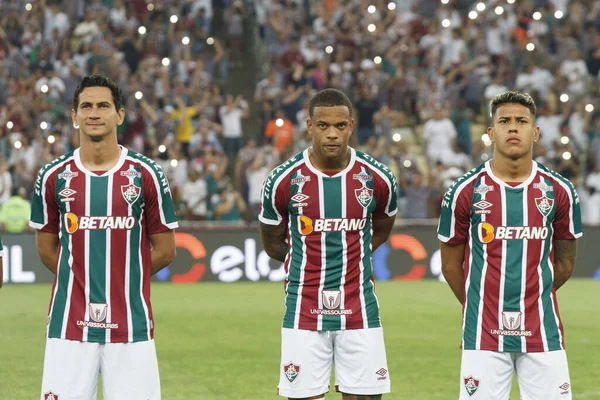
455 218
567 221
45 215
159 209
273 207
385 194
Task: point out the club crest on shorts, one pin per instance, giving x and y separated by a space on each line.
544 205
50 396
291 371
471 385
130 193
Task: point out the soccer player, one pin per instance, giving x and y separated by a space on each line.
323 213
104 218
507 232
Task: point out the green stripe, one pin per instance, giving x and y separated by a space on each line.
296 258
138 315
514 263
332 195
97 250
473 294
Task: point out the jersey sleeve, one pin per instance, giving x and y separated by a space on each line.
455 218
1 248
273 207
159 209
45 215
567 221
385 195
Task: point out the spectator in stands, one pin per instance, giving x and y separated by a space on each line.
438 134
231 114
15 212
280 131
194 194
230 206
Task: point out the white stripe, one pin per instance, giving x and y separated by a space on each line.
567 189
361 265
387 181
86 247
301 280
127 283
276 184
540 305
483 276
344 254
109 194
323 252
524 269
502 269
457 192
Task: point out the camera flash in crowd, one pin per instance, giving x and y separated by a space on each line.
480 6
174 19
166 61
17 144
566 155
328 49
391 6
371 28
139 95
51 139
564 97
43 125
28 7
407 163
510 1
150 7
371 9
44 88
558 14
162 148
564 140
142 30
174 163
279 122
589 108
9 125
530 47
537 15
396 137
377 60
210 41
185 40
445 1
499 10
473 14
446 23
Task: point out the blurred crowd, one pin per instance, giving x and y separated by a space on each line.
420 74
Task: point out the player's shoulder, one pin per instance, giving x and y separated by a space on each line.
286 166
552 174
55 164
143 161
371 163
465 181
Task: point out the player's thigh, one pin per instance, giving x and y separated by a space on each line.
130 371
306 360
70 370
544 376
487 374
361 362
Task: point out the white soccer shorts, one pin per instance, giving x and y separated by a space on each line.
488 375
129 370
308 356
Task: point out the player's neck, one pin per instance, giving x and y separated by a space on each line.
99 155
322 164
511 170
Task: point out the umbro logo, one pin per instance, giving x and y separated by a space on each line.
299 197
483 207
67 194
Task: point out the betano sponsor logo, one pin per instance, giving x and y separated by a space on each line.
486 232
307 225
74 223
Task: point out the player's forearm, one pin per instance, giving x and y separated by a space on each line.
160 258
562 272
565 253
50 261
454 276
276 250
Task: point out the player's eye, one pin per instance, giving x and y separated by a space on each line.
341 126
104 106
522 121
322 126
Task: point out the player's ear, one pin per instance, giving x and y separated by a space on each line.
309 126
351 125
536 134
121 113
490 132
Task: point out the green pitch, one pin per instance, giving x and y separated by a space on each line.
221 341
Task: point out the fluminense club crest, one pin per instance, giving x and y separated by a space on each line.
545 205
131 192
471 385
50 396
364 196
291 371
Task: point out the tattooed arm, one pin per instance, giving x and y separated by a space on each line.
565 252
452 268
274 240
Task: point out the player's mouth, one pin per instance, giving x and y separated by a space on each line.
331 147
514 140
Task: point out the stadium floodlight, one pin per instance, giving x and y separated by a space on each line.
530 47
407 163
558 14
210 41
18 144
446 23
9 125
174 18
485 157
44 88
279 122
328 49
510 1
51 139
28 7
166 61
537 15
162 148
564 140
391 6
473 14
564 97
486 140
150 7
371 28
499 10
566 155
589 107
142 30
139 95
445 1
185 40
480 6
371 9
43 125
377 60
396 137
174 163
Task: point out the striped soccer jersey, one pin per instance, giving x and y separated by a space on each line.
101 291
508 231
329 271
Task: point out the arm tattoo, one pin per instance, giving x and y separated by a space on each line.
565 252
273 239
